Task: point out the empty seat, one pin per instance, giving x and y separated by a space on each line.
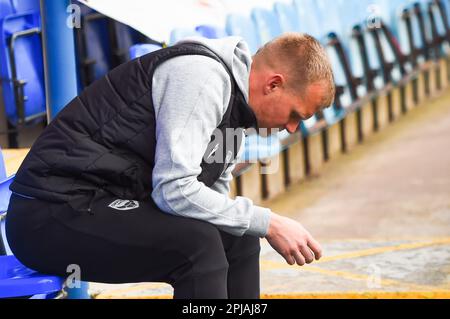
211 32
139 50
102 44
308 14
16 280
267 24
6 8
22 6
287 17
257 147
22 71
244 27
93 46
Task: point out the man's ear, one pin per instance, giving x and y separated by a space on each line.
274 83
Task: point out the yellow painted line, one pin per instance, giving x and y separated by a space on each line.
328 295
382 282
362 253
379 240
382 250
273 265
361 295
110 296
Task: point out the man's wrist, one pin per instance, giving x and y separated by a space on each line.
275 220
259 222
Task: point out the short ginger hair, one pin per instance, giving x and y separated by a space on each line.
305 61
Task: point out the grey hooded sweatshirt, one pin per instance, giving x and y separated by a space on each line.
191 95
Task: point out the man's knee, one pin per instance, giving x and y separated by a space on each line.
202 247
240 247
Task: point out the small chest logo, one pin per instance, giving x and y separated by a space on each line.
124 204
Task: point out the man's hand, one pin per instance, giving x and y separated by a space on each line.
292 241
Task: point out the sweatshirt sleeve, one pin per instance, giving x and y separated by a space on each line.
190 95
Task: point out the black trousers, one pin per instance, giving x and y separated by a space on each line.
138 245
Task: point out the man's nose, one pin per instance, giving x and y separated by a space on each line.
292 127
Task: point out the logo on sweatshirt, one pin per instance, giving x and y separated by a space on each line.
124 204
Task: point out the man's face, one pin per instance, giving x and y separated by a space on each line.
277 107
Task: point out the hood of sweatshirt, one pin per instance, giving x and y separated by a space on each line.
235 52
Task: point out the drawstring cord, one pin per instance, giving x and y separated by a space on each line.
91 201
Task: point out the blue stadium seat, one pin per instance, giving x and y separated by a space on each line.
438 17
446 8
16 280
306 127
267 24
333 114
21 71
139 50
257 147
102 44
392 14
21 6
6 8
309 18
330 16
287 17
421 29
122 39
211 32
440 10
244 27
93 46
382 42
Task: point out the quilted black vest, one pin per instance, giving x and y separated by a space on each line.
104 139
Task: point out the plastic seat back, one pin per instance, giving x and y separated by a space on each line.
139 50
267 24
17 281
93 43
22 67
22 6
6 8
211 32
287 17
309 18
244 27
